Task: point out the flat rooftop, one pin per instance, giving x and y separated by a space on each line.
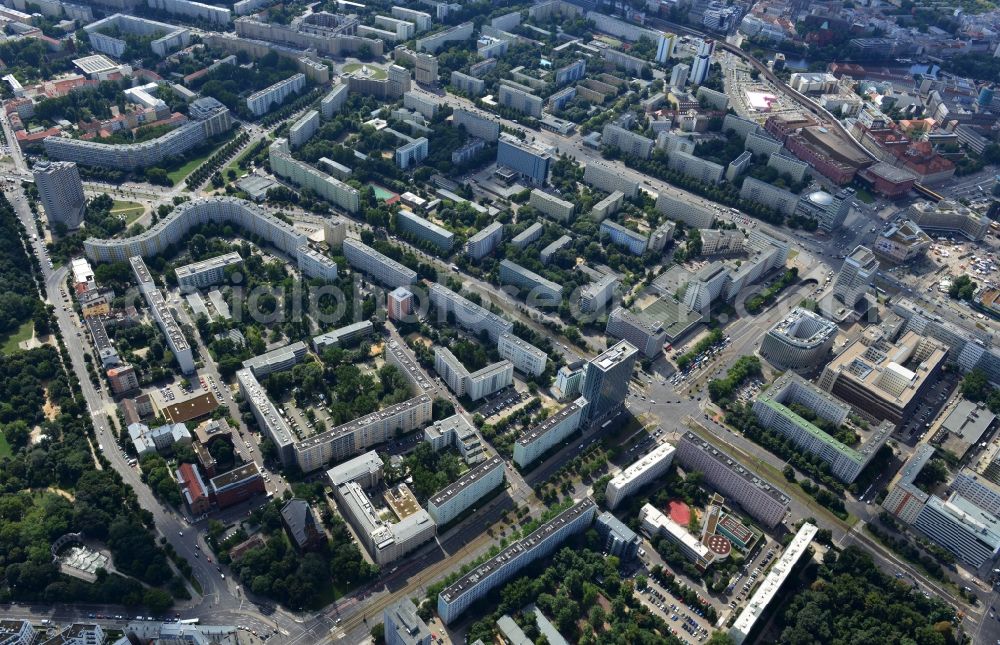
469 478
532 435
219 261
244 472
470 579
751 478
775 578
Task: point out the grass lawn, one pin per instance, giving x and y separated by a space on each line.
377 72
235 163
181 173
11 341
864 195
4 447
130 210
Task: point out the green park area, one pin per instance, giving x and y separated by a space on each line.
131 211
11 342
181 173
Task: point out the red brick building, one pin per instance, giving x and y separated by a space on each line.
193 490
236 486
888 180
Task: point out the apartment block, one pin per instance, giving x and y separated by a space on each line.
199 275
353 437
627 142
755 495
759 143
454 499
424 230
277 360
303 129
158 308
525 357
609 179
469 84
633 241
383 269
420 19
435 42
747 621
165 38
260 103
572 72
475 385
608 206
661 236
556 208
123 379
738 166
477 124
790 165
541 291
553 430
61 192
773 412
546 254
333 101
476 584
528 235
302 174
639 474
596 295
775 198
200 11
132 156
704 171
411 153
521 101
619 540
271 423
694 215
468 314
483 242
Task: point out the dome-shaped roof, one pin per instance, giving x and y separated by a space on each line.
821 198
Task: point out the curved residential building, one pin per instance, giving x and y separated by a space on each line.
799 341
130 156
217 210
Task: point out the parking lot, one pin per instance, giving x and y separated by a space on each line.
918 423
685 622
502 400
